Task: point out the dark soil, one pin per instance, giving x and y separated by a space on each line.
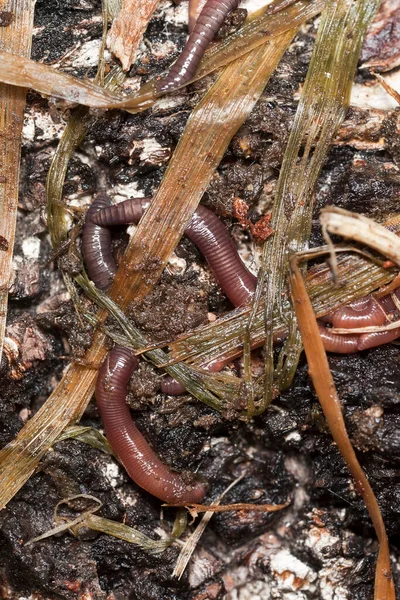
323 543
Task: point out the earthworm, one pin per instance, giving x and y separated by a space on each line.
195 8
96 246
348 344
388 301
134 452
363 312
209 234
208 23
172 387
341 344
372 340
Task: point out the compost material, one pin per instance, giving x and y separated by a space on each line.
322 546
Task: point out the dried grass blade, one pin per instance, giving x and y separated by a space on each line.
87 435
191 543
126 533
16 37
23 72
324 386
58 216
234 94
69 524
113 528
322 107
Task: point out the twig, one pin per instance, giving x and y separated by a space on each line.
241 506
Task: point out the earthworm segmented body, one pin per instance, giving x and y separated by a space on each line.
208 23
96 246
209 234
172 387
363 312
138 458
348 344
195 8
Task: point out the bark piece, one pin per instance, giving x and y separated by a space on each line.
381 49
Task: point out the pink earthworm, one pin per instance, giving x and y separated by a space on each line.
206 26
134 452
363 312
355 342
96 246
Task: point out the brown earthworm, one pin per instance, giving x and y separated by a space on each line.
208 23
209 234
134 452
363 312
96 246
195 8
372 340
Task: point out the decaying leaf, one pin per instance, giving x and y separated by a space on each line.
127 29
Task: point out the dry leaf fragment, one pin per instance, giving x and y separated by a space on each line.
128 28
